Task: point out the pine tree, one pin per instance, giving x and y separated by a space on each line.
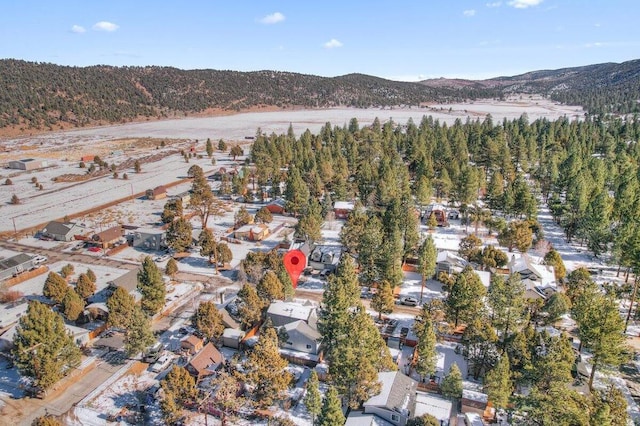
270 288
202 199
331 412
85 287
427 256
468 246
179 389
507 302
179 235
209 148
263 216
250 308
139 335
266 370
497 383
172 210
120 305
242 217
553 258
383 301
208 320
47 420
451 386
296 192
464 301
72 305
43 350
313 398
172 268
209 247
432 222
151 286
55 287
92 276
426 347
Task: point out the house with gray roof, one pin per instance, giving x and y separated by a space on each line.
302 338
282 313
60 231
14 265
128 281
396 401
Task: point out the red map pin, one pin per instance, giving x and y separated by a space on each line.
294 262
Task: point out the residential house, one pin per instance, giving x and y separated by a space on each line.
277 206
96 311
449 262
475 402
15 264
437 406
150 239
127 281
192 344
205 362
439 211
185 197
341 209
157 193
80 336
60 231
302 338
88 158
108 238
396 401
325 257
539 280
252 232
282 313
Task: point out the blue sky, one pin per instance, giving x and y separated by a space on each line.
400 40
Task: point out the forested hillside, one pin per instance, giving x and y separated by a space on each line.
600 89
41 95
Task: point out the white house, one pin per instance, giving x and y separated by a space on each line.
302 338
396 401
282 313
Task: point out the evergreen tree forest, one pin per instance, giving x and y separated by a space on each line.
585 171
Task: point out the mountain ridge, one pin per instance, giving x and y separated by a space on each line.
44 96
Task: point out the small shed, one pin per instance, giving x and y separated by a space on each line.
232 337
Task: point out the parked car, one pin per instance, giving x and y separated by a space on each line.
409 301
161 258
39 259
162 363
95 249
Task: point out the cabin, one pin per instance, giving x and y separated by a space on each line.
206 362
449 262
157 193
282 313
439 211
251 232
108 238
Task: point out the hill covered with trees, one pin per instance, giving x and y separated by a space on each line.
43 95
600 89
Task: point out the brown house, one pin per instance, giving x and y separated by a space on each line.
108 237
88 158
192 344
156 193
206 362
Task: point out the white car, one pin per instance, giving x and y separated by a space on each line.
161 258
409 301
39 259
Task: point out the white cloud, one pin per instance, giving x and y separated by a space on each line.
597 25
273 18
469 13
332 43
494 4
77 29
596 44
523 4
105 26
